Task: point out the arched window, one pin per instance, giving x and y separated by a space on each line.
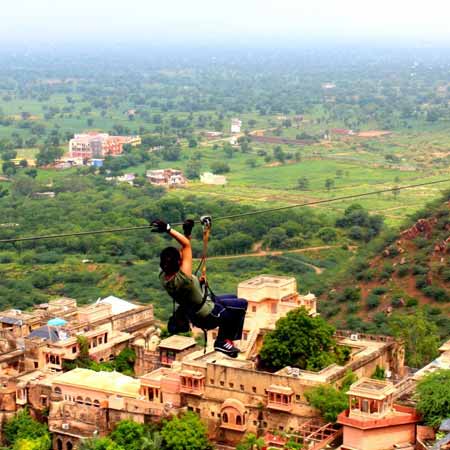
238 420
88 401
111 357
96 403
59 444
69 445
58 391
225 417
80 400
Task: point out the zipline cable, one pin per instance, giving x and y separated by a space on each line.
232 216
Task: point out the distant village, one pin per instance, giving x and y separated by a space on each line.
38 370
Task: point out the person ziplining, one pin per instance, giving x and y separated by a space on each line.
196 305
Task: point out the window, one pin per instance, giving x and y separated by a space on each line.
253 308
88 401
190 408
281 428
197 410
231 385
36 365
297 397
242 387
59 444
212 414
238 420
225 417
100 340
43 400
57 390
211 381
255 422
254 389
74 349
222 383
96 403
79 400
69 445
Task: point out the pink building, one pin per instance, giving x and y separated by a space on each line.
373 422
98 145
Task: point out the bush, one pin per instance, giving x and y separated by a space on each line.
421 282
397 302
403 271
437 293
373 301
419 270
411 302
380 290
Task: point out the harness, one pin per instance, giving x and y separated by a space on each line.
206 222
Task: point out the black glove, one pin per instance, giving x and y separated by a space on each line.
187 227
158 226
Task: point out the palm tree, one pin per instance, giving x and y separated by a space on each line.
152 441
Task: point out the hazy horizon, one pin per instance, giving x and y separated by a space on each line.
199 22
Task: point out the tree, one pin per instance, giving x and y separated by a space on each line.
433 394
185 432
23 186
251 442
41 443
128 434
23 426
303 184
152 441
48 155
218 167
329 184
279 154
329 400
193 169
420 336
9 168
300 340
104 443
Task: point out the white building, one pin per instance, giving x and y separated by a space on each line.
210 178
236 125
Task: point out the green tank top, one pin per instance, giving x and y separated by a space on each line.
187 292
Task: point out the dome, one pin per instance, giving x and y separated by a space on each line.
57 322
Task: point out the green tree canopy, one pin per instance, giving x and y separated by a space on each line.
251 442
329 400
23 426
433 394
300 340
128 434
186 432
420 336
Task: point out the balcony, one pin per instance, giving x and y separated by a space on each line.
192 383
280 398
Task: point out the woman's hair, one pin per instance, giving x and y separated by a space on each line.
170 260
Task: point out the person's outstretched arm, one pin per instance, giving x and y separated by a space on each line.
186 250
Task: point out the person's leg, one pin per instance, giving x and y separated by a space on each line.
232 318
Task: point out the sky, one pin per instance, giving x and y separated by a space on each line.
269 21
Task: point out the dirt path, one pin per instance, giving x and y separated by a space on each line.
261 253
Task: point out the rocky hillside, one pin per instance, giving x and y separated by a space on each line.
409 270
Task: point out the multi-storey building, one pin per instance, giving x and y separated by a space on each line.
99 145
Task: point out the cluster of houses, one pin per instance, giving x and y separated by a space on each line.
232 396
